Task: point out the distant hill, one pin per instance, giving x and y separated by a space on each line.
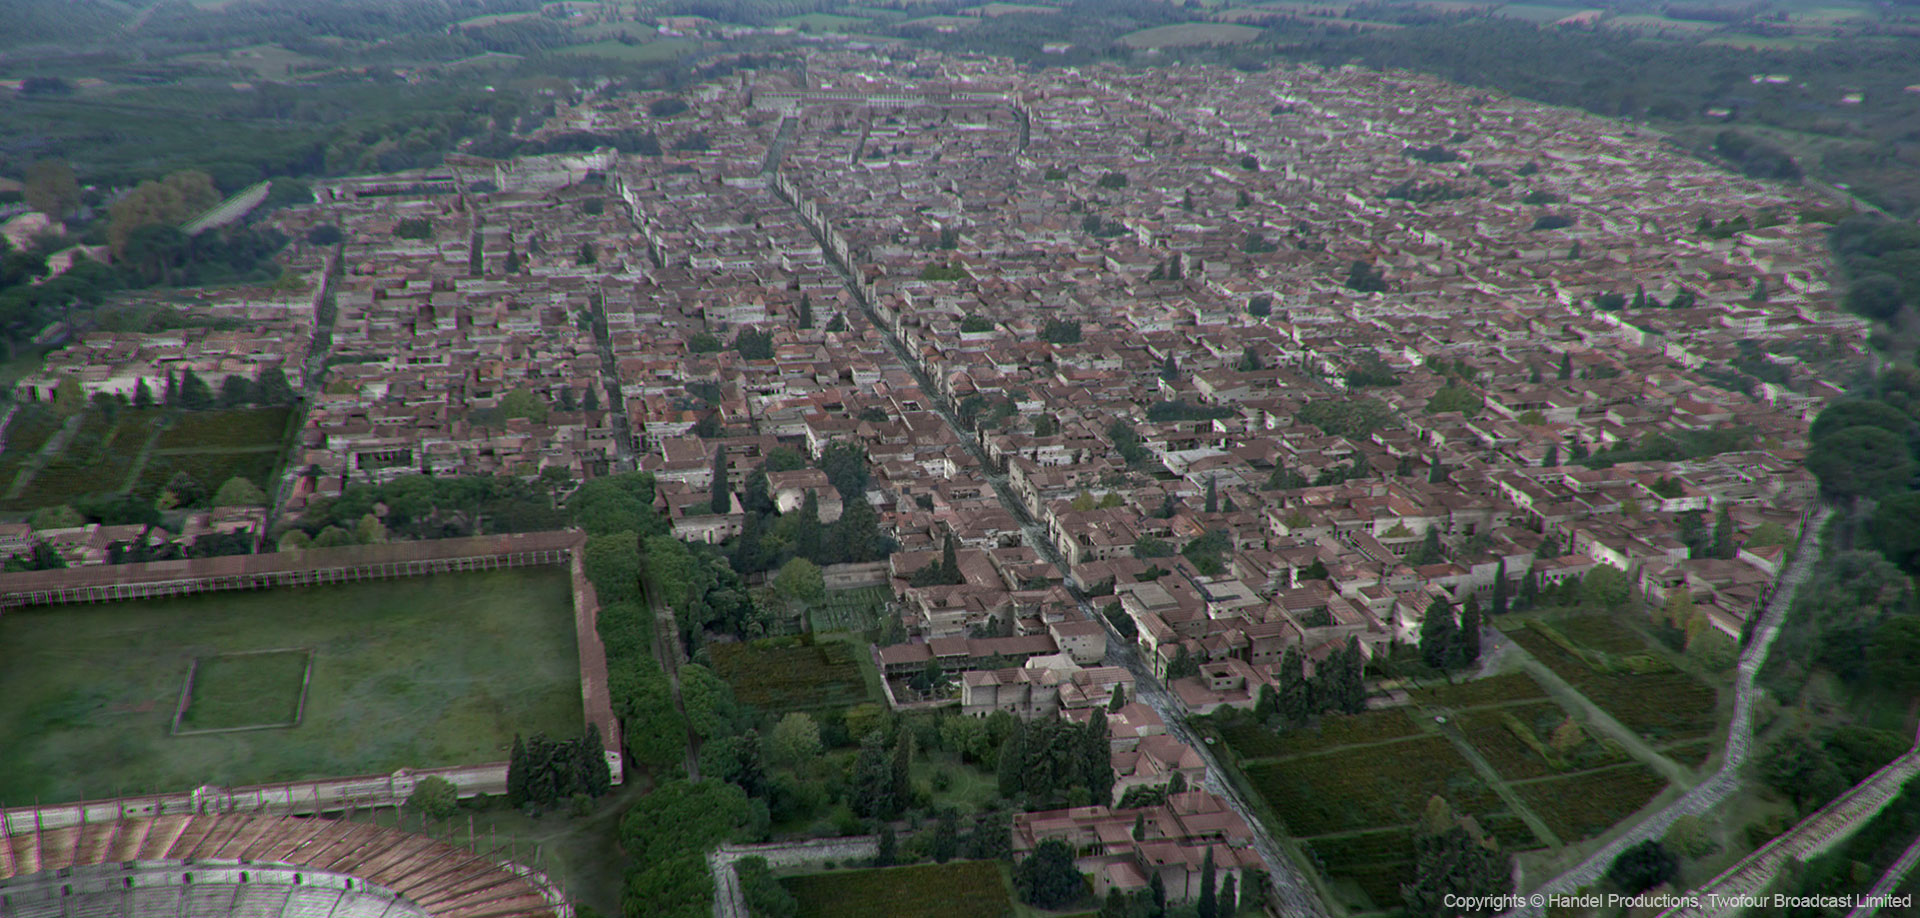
33 22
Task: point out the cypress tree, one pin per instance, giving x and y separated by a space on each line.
1469 637
195 394
1566 366
1722 534
1296 701
1437 631
142 394
517 773
599 779
1529 589
950 561
722 500
1140 826
1157 888
1553 455
807 536
1013 755
1213 495
806 311
888 849
1209 904
1229 900
1118 701
1096 758
1500 589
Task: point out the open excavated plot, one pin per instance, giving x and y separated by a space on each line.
962 889
244 691
418 672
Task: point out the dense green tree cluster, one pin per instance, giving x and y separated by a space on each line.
1048 762
546 771
1338 686
1454 863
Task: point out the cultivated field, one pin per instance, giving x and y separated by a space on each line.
1629 682
1190 34
425 671
136 450
1352 789
779 675
963 889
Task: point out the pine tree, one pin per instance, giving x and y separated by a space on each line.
722 500
1437 630
1209 904
1500 589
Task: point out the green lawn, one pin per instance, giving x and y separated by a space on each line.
424 671
962 889
235 690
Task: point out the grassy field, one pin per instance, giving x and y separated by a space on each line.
962 889
821 22
424 671
235 690
665 49
779 675
1190 34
